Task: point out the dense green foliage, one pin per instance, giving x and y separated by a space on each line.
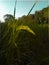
22 47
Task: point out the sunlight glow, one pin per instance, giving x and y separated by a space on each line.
2 12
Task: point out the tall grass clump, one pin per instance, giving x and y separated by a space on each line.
9 38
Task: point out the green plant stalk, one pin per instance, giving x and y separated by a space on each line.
32 7
15 9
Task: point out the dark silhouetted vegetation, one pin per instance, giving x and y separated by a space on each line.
25 41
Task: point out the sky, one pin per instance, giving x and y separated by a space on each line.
22 7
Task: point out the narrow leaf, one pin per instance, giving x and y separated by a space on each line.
32 7
23 27
15 8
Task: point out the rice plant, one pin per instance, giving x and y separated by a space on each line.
12 32
15 28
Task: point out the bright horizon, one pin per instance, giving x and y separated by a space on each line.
22 7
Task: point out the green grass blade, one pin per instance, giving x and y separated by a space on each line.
23 27
32 7
15 8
